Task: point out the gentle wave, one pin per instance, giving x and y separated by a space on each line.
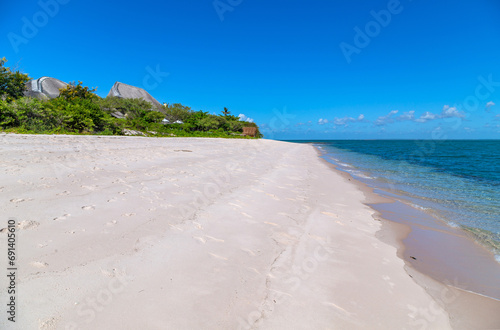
458 182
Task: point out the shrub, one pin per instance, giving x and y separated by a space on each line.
153 117
77 114
76 91
8 116
132 108
33 115
12 84
235 126
177 112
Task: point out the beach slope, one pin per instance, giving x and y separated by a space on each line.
186 233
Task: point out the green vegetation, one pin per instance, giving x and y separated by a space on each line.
12 84
78 110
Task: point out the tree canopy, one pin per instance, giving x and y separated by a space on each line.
75 91
12 83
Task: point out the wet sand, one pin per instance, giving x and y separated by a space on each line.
460 274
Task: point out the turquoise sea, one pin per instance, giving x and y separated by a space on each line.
457 181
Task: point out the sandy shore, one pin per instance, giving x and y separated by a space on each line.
138 233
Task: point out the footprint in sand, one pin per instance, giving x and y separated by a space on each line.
128 215
88 208
44 244
250 252
63 217
217 256
90 187
333 215
273 196
236 205
39 264
179 229
387 279
201 239
215 239
18 200
64 193
28 224
48 324
108 273
111 223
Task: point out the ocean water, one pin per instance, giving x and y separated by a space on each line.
457 181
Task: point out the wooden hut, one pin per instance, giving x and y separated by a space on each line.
250 131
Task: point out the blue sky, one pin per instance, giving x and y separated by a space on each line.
299 69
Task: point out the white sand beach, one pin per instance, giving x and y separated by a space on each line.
187 233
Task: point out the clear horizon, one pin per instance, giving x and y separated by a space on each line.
302 71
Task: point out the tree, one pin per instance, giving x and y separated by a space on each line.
132 108
78 114
177 111
76 91
12 84
226 112
153 116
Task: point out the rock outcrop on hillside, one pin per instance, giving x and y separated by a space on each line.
48 88
131 92
44 88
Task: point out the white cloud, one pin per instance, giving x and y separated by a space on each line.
345 120
426 116
410 115
322 121
245 118
387 119
489 105
447 112
451 112
308 123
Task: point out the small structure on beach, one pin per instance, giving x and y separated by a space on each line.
131 92
250 131
44 88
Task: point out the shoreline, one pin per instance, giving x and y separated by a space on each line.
457 290
195 232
